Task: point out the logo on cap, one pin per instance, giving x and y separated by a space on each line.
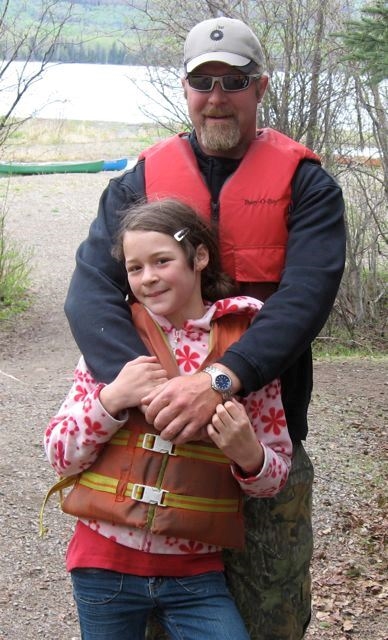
216 35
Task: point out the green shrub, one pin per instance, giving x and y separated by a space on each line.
14 275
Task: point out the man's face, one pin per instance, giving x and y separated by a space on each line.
225 122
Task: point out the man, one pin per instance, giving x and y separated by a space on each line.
279 217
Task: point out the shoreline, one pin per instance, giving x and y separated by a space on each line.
45 140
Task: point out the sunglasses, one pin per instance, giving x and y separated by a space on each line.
228 83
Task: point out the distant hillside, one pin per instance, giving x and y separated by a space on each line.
98 31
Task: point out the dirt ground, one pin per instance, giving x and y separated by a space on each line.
346 442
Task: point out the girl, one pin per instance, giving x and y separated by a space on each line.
153 517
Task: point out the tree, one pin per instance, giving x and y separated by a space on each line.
365 51
315 95
365 44
29 38
366 41
302 99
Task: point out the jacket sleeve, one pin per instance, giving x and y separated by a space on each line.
293 316
75 436
96 306
266 413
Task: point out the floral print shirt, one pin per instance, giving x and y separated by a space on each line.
77 433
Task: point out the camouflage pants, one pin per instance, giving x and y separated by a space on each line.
270 579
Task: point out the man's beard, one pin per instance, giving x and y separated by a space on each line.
220 137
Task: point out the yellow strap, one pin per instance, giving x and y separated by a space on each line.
201 452
120 438
190 450
107 484
215 505
63 483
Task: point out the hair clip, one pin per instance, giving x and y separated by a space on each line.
181 234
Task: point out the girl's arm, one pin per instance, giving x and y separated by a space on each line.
76 434
255 437
92 413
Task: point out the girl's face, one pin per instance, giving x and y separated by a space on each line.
160 277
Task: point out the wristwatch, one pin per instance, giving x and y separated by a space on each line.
221 381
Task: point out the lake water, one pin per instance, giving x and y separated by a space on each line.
111 93
108 93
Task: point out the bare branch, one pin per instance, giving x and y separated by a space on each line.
35 41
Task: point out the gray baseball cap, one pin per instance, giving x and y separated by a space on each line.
223 40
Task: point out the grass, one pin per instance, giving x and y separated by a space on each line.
365 341
343 347
15 267
40 140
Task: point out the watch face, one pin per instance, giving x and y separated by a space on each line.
222 382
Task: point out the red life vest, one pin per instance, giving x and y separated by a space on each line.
253 205
142 481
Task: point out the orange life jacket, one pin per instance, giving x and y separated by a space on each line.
253 205
140 480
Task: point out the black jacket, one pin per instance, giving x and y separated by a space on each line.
279 341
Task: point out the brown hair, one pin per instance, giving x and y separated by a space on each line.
171 216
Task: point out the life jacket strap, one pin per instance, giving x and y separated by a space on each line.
152 442
159 496
63 483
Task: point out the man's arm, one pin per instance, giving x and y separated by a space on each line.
289 320
294 315
95 306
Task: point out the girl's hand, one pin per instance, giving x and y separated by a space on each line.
136 379
232 432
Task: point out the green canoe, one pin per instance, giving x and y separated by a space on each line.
92 166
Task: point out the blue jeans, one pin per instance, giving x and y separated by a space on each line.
115 606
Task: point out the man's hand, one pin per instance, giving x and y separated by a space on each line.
182 407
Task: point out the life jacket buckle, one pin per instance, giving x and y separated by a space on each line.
156 443
151 495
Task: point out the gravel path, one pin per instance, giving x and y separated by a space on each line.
52 214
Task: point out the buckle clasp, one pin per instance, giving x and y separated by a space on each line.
152 442
151 495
